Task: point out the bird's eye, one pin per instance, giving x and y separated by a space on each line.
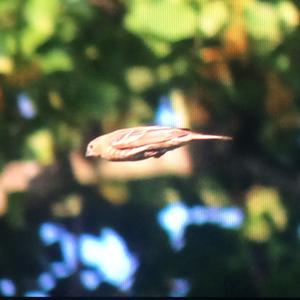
91 146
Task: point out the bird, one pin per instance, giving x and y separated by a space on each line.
143 142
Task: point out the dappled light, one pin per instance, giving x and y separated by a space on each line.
211 218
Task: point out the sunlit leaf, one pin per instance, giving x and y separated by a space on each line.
41 144
71 206
262 201
263 24
257 229
161 48
139 78
212 192
212 18
6 65
289 14
166 19
40 16
55 60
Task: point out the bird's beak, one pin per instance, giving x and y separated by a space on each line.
89 152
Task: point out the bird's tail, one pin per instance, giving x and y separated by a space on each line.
200 136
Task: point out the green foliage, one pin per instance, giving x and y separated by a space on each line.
92 66
167 20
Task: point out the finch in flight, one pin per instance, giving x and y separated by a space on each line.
138 143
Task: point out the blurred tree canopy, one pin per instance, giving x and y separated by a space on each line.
74 69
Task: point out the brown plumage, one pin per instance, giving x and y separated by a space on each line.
143 142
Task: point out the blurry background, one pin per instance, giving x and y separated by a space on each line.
213 219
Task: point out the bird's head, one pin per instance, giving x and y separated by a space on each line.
95 147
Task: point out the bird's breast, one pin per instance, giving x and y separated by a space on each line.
115 154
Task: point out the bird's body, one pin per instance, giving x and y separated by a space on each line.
138 143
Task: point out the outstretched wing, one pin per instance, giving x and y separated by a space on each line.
147 135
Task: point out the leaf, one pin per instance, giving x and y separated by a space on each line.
6 65
263 201
213 17
262 24
55 60
139 78
166 19
289 15
40 17
212 193
41 144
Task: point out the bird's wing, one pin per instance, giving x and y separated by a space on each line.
141 136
